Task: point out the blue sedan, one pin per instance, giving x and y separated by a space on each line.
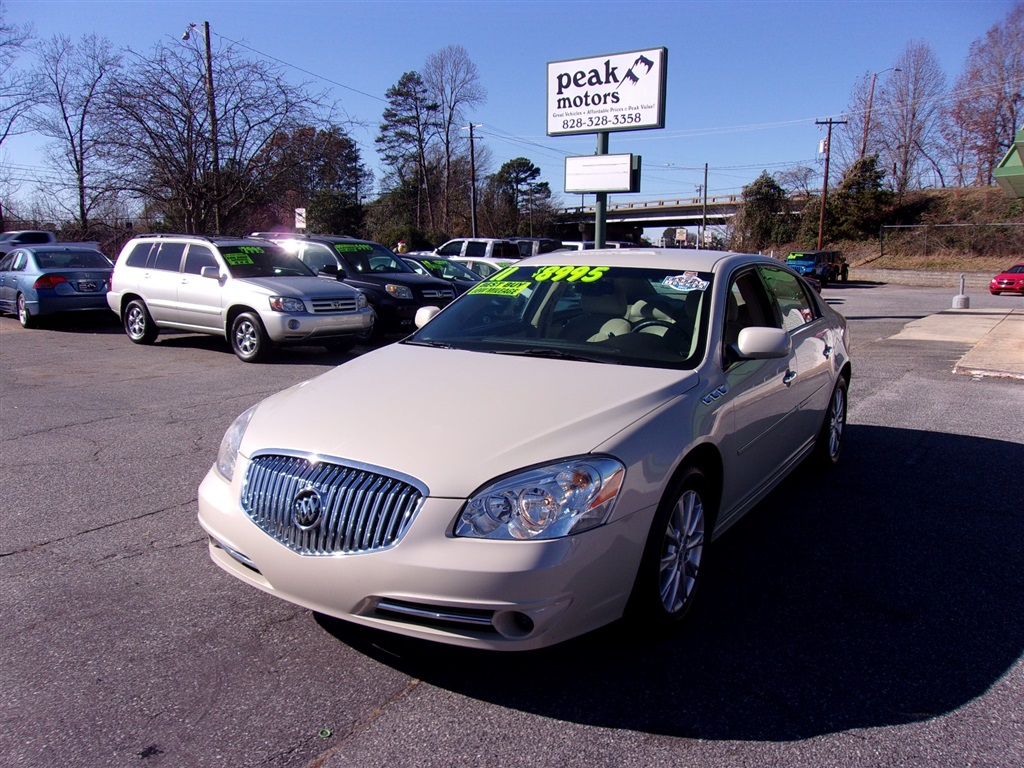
47 279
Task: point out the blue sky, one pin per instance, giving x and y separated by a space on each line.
746 78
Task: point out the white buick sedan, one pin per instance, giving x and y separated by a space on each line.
626 408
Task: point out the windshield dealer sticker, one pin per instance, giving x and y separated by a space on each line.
352 247
570 274
499 288
238 259
688 281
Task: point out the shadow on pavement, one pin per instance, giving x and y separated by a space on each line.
886 592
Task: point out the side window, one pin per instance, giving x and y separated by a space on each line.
138 255
169 257
316 256
6 261
747 306
453 248
199 256
476 248
507 250
795 308
20 260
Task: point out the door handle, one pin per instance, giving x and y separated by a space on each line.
788 378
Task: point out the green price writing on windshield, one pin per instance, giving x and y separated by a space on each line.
570 274
237 259
352 247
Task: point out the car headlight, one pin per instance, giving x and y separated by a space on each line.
398 291
227 454
286 304
361 302
545 502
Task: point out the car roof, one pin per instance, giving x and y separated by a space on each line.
652 258
312 237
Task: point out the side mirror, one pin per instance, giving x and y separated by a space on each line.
763 343
328 269
425 314
211 272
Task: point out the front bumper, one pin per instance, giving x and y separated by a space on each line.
296 328
498 595
1006 286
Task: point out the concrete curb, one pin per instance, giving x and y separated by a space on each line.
938 279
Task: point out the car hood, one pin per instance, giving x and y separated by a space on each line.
292 286
455 419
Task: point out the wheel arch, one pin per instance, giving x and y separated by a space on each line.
708 460
233 312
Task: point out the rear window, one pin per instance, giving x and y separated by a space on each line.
71 260
33 238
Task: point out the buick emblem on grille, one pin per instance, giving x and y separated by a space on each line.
306 508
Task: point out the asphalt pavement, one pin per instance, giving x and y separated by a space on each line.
996 334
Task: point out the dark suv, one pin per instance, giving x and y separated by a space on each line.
393 289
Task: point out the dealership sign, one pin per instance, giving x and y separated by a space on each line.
618 92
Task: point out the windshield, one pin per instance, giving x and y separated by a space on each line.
619 315
262 261
448 270
370 258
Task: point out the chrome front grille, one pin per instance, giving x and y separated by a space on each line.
324 508
333 304
439 293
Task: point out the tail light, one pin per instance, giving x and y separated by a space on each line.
48 281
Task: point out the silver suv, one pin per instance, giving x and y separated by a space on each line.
249 291
487 247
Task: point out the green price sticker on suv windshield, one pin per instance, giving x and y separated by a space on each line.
237 259
352 247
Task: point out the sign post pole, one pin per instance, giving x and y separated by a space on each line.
601 206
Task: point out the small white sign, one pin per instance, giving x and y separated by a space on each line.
617 92
300 218
599 173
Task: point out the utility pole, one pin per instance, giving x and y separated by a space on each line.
824 187
472 177
704 209
211 108
867 117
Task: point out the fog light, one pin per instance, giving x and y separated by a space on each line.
293 324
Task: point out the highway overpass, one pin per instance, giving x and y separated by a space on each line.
677 212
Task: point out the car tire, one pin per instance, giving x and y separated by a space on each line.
249 340
138 324
829 445
24 317
672 565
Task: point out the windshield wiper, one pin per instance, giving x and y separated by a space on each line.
435 344
556 354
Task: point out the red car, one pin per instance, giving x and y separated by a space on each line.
1010 281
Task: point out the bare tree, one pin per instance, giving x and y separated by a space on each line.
453 83
17 87
988 99
72 79
157 122
17 92
908 105
798 180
